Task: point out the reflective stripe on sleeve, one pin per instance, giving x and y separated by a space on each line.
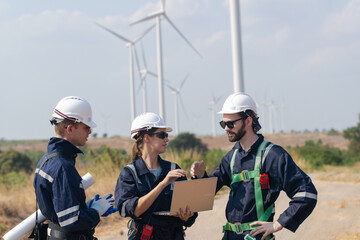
44 175
306 195
68 211
172 167
123 208
69 221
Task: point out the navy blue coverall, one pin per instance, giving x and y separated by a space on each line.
60 193
132 186
284 175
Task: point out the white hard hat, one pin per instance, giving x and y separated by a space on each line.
146 121
75 109
238 102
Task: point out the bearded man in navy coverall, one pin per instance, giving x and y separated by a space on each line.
58 188
241 124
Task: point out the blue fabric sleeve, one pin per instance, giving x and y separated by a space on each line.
69 202
299 188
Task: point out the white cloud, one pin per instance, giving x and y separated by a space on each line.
215 38
345 22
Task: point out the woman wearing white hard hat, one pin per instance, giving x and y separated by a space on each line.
144 186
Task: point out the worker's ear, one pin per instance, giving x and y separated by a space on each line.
249 122
69 129
146 138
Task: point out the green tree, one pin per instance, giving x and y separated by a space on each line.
353 135
12 160
187 141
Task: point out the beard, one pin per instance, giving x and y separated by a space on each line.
237 135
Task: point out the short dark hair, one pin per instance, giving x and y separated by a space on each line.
60 126
249 113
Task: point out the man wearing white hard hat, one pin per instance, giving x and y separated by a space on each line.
256 171
58 188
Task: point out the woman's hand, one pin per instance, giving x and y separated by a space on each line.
185 215
173 175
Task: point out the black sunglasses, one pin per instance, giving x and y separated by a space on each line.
229 124
161 135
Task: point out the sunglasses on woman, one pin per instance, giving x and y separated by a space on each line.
161 135
229 124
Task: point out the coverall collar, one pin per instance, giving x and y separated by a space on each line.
253 147
142 168
62 146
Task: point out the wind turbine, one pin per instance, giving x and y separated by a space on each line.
132 52
144 72
177 97
157 15
213 108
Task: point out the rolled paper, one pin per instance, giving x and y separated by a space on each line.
24 228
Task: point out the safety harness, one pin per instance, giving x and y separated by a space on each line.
245 176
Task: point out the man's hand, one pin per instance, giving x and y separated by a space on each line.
265 227
185 215
197 169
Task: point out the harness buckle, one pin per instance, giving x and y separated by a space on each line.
238 229
245 176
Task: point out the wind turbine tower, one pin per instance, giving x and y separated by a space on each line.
177 97
144 72
132 53
238 72
213 108
157 16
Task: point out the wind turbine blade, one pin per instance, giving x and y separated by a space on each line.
143 55
140 85
183 107
137 61
162 5
154 15
182 83
173 89
152 74
182 35
113 33
144 33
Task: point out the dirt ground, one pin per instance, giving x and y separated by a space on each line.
337 213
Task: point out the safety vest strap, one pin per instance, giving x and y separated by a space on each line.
257 186
245 176
239 228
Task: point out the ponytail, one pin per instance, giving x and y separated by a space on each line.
139 144
137 149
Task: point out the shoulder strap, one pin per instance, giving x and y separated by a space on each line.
232 162
49 157
266 152
132 168
172 167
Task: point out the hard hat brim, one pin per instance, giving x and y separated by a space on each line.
90 124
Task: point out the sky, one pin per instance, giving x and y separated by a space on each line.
301 57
